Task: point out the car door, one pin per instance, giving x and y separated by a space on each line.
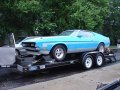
7 50
86 41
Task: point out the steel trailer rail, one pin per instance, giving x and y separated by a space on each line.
46 62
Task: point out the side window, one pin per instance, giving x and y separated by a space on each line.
85 34
89 34
81 34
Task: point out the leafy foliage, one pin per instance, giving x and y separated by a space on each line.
23 17
88 14
112 22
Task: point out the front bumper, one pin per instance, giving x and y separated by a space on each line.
35 51
32 51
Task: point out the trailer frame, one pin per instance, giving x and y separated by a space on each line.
46 62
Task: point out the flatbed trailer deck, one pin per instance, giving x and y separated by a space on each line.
29 64
46 62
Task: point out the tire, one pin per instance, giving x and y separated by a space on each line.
17 53
101 48
59 53
99 60
87 62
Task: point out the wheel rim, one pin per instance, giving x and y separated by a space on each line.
101 49
16 53
59 53
88 62
99 60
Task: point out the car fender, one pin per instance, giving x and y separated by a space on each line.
47 47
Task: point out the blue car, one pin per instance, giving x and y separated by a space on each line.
69 41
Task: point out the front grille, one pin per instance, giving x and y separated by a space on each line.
28 44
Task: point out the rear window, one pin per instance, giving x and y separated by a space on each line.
66 33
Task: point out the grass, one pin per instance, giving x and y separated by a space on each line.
113 46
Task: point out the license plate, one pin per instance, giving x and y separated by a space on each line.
42 66
32 68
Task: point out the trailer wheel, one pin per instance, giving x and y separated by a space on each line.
99 59
87 61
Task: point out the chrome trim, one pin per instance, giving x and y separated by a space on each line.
81 50
64 42
45 52
29 48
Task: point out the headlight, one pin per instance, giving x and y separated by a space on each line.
23 45
32 45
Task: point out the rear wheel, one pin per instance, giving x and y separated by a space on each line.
101 48
87 61
59 53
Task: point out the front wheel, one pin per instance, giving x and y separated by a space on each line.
59 53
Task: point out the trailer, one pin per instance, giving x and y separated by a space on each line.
8 59
86 59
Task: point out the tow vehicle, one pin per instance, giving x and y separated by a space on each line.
8 59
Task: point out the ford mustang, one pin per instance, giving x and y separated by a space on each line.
69 41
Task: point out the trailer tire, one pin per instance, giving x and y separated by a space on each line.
99 59
87 61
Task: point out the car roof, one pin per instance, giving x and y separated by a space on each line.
79 30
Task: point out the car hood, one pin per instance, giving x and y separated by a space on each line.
49 39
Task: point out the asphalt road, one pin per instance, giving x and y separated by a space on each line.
10 78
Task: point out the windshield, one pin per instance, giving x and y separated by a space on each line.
20 39
24 38
66 33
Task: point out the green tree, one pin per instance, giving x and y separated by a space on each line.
89 14
112 22
48 16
